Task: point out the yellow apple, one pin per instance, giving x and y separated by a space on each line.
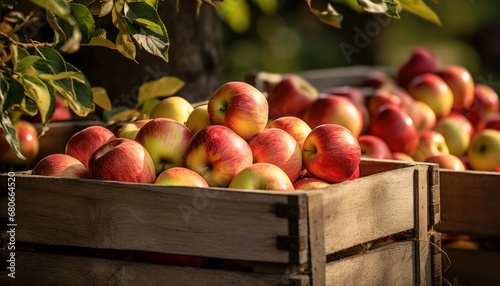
198 119
430 143
456 137
173 107
484 150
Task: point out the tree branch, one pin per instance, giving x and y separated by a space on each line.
25 45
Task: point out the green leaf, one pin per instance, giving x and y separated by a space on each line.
162 87
419 8
101 98
83 103
124 43
120 114
15 93
152 3
328 16
63 75
60 8
26 62
4 91
84 19
101 42
44 99
235 14
9 133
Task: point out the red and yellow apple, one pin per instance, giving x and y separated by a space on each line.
181 176
60 165
28 144
294 126
432 90
485 101
484 150
262 176
421 60
173 107
374 147
461 84
455 133
447 161
309 184
424 118
490 121
430 143
83 143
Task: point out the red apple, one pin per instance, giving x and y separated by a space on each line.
430 143
218 154
181 176
336 110
434 91
350 92
461 84
374 147
424 118
290 96
28 143
60 165
122 159
381 97
239 106
447 161
485 101
309 184
294 126
83 143
331 153
490 121
422 60
276 146
60 113
262 176
395 127
166 141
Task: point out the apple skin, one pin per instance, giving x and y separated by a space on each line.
350 92
173 107
434 91
290 96
124 160
374 147
490 121
331 153
464 121
485 101
239 106
181 176
130 130
395 127
484 150
381 97
421 60
334 109
262 176
28 143
430 143
83 143
61 113
455 134
218 154
309 184
198 119
447 161
461 84
166 141
425 118
60 165
402 157
277 147
294 126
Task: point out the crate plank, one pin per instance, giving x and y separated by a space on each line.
470 203
54 269
389 265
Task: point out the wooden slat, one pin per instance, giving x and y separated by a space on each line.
472 267
51 269
317 238
423 263
369 208
99 214
369 166
389 265
470 203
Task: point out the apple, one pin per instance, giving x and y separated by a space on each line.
447 161
490 121
335 110
309 184
173 107
239 106
130 130
402 157
455 134
295 126
430 143
355 175
331 153
122 159
276 146
485 101
60 165
484 150
422 60
461 84
166 141
290 96
425 118
262 176
395 127
83 143
28 144
464 121
218 154
350 92
181 176
381 97
198 119
434 91
61 113
374 147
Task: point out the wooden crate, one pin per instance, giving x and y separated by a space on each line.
470 205
290 238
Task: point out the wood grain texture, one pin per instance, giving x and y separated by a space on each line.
51 269
389 265
470 203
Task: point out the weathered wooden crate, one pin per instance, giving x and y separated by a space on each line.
293 238
470 205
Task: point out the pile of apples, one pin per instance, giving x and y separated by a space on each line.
426 113
229 141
